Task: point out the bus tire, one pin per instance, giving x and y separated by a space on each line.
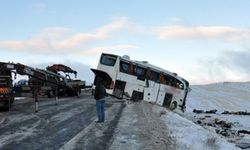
173 105
137 96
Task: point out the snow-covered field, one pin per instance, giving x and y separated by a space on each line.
222 97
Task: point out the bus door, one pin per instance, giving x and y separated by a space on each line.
162 89
151 91
167 97
161 95
119 88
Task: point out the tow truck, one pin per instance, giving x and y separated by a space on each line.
73 86
39 79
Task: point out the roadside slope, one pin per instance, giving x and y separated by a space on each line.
141 128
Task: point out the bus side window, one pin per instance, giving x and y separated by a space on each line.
168 81
171 81
140 73
155 76
124 67
175 83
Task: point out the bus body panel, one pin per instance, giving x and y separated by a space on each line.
131 87
125 77
132 83
171 94
160 98
151 92
130 80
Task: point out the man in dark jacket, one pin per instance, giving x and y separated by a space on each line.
100 93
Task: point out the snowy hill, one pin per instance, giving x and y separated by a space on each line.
220 96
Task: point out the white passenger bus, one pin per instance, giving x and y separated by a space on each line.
139 80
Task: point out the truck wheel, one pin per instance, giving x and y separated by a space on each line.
7 105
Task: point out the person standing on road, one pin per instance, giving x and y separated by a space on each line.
100 93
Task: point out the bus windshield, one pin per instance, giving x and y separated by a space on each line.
108 60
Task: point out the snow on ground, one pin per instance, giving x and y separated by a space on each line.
222 97
21 134
141 129
190 136
147 126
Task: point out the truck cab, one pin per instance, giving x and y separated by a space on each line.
6 92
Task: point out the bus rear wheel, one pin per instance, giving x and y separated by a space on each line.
137 96
173 105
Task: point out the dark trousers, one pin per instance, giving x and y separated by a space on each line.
100 110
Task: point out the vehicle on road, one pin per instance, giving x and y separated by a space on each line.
139 80
50 82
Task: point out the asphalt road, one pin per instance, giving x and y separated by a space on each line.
68 125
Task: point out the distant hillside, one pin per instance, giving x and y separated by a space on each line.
221 96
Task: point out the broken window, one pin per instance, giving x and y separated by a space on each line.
168 79
171 81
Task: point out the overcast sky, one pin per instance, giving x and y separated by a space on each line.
203 41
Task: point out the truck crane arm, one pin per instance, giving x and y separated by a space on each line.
60 67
